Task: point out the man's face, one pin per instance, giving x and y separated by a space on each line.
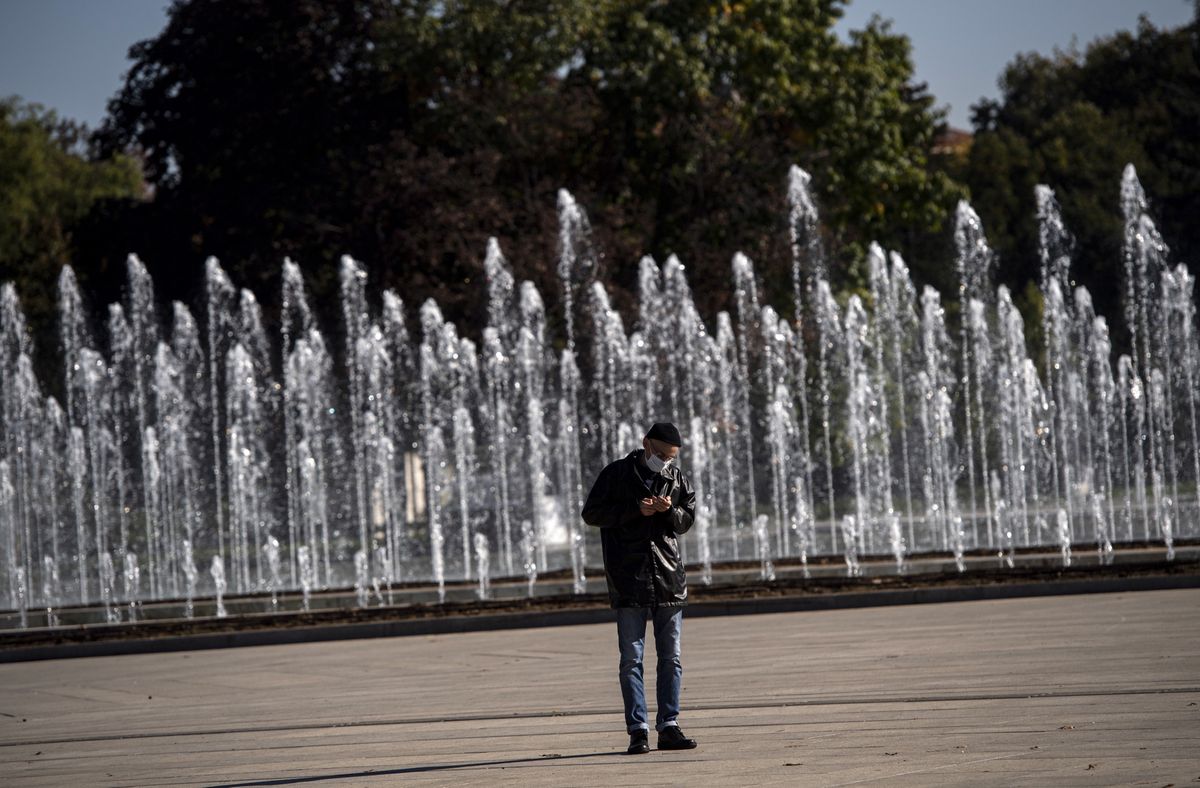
663 451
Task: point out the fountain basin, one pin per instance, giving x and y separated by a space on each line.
736 588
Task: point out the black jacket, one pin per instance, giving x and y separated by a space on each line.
641 554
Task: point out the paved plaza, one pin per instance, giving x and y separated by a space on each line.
1099 689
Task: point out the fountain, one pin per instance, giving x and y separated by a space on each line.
362 579
191 575
850 540
307 574
483 566
528 555
837 425
217 570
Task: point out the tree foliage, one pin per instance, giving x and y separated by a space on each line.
406 132
48 186
1072 121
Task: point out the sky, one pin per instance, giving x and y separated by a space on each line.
71 55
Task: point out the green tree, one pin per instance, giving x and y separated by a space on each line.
406 133
1072 121
880 183
48 186
251 118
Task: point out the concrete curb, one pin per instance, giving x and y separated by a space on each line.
522 620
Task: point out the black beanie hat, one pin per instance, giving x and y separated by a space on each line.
665 431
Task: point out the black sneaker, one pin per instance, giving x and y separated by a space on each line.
639 743
671 738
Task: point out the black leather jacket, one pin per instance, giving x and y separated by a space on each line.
641 554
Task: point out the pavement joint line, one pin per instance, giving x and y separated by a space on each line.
1052 694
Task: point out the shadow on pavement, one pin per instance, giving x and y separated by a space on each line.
413 770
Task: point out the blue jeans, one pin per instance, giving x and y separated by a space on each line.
631 634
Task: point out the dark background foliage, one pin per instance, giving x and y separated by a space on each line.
1072 121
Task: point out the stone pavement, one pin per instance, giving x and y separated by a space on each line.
1099 689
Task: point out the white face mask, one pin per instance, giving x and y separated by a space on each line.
655 464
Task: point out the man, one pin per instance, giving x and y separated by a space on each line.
642 505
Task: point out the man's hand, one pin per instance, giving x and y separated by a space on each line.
654 505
